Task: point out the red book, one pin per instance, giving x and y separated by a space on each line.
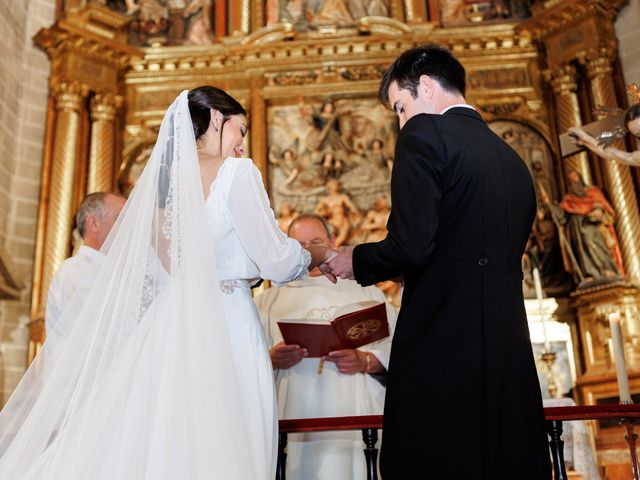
355 325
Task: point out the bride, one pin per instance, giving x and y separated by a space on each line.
162 372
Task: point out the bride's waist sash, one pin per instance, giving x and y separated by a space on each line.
230 287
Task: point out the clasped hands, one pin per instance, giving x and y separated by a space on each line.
348 361
338 264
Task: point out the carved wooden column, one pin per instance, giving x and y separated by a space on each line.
238 15
69 106
397 9
102 150
257 14
258 130
618 180
563 81
416 11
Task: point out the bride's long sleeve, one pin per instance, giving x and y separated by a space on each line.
278 257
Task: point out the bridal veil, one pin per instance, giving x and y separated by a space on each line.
137 380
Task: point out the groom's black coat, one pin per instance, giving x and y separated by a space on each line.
463 399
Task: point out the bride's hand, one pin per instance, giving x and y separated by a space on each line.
320 255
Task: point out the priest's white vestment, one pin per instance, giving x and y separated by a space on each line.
304 393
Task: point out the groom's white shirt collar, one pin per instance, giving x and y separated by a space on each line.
463 105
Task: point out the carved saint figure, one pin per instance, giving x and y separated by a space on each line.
375 221
287 163
378 155
585 219
198 22
286 215
333 12
631 122
332 166
338 209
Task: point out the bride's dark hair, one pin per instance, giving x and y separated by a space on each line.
203 99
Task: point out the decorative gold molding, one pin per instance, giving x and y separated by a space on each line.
562 15
99 20
563 79
105 105
69 96
383 26
599 62
271 33
56 41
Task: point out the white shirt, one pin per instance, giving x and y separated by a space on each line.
303 393
75 275
463 105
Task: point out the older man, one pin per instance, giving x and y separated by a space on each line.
345 386
94 220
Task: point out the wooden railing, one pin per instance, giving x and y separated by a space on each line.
370 424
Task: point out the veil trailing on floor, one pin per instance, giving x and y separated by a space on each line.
137 381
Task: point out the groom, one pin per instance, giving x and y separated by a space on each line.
463 399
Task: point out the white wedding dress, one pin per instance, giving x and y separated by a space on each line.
245 229
161 371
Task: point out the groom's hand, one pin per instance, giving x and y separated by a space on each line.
324 267
342 264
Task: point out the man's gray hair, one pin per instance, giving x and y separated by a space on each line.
93 204
311 216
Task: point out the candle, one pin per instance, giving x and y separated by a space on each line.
538 285
618 355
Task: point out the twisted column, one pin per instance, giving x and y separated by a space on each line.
396 9
258 130
69 104
102 150
238 15
416 11
563 81
617 177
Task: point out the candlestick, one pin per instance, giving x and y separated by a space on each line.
618 355
538 285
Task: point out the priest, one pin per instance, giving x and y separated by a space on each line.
345 383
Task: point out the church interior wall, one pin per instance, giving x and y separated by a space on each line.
23 104
628 35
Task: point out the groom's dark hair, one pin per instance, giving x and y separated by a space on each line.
203 99
433 60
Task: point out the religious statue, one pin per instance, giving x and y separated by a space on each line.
585 220
604 149
333 12
339 211
197 17
286 215
332 166
544 252
327 128
151 21
287 163
375 221
378 155
452 11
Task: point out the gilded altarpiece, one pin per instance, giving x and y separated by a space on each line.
308 73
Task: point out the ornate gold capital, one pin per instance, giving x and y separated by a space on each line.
104 106
69 96
563 80
600 62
